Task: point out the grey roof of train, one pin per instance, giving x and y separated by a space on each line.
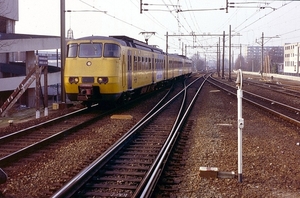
102 38
123 40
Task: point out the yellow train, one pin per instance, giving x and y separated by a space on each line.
113 68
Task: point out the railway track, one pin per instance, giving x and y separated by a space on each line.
24 142
132 166
167 183
290 90
88 136
284 111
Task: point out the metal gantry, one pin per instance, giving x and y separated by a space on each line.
212 35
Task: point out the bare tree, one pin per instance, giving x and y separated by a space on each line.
199 62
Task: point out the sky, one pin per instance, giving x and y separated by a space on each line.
278 20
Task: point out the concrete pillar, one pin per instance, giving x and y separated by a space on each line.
30 63
30 60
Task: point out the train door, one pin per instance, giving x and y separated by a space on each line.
129 70
166 69
152 68
123 61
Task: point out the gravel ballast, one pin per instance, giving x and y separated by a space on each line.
270 153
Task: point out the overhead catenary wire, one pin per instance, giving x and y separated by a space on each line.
260 18
189 23
121 20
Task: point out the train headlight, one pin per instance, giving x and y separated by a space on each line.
73 80
89 63
101 80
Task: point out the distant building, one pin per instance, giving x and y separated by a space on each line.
291 58
273 58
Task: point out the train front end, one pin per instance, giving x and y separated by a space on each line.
93 70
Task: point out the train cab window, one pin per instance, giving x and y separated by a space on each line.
90 50
112 50
72 50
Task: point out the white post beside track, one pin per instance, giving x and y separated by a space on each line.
239 82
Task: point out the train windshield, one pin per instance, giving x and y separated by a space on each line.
72 50
90 50
112 50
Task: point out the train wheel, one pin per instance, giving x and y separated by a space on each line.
124 98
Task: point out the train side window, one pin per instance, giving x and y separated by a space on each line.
72 50
129 63
160 66
139 63
90 50
146 63
135 63
112 50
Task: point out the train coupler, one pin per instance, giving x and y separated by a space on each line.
85 92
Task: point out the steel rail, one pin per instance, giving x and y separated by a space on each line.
71 187
164 154
5 137
283 89
15 155
281 115
59 134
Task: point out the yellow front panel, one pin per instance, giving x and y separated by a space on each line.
99 67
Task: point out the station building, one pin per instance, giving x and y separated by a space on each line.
19 54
